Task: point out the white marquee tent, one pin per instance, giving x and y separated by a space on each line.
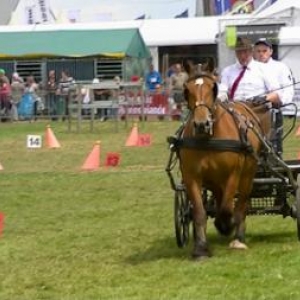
187 31
283 8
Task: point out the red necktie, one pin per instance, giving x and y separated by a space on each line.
236 82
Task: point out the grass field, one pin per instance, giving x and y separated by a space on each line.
109 234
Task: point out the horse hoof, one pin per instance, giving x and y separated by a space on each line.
200 255
200 258
236 244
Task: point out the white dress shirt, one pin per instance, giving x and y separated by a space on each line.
255 82
283 75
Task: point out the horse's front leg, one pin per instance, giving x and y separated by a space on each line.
240 223
194 192
224 220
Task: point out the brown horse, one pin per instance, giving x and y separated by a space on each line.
220 145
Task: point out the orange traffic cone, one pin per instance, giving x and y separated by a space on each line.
92 162
133 138
50 139
298 131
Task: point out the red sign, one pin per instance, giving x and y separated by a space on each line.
1 222
154 104
145 140
112 159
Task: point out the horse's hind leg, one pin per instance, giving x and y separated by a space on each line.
200 220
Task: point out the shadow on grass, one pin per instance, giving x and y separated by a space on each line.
272 237
166 248
163 248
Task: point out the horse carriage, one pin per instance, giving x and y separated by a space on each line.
221 165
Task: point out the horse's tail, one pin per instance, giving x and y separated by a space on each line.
224 221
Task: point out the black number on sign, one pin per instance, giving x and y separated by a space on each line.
34 141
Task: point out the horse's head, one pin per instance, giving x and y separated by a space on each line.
200 93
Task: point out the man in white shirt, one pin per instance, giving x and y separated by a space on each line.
263 51
255 81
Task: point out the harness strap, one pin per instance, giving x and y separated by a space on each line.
210 144
236 118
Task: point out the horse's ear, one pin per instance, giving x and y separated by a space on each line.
189 67
209 65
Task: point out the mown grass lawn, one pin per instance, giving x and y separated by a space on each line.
109 234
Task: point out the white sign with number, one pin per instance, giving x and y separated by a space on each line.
34 141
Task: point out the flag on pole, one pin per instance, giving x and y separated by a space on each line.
43 11
184 14
141 17
222 6
242 7
74 15
30 16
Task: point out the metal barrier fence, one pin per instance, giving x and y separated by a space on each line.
104 100
124 101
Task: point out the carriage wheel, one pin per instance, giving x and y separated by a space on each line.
298 206
182 218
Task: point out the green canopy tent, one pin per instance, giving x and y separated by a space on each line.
115 43
78 50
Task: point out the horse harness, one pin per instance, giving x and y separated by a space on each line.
241 121
241 145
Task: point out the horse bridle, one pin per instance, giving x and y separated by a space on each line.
201 103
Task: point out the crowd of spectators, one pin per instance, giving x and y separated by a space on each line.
24 98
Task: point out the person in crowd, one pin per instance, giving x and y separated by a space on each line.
263 51
177 80
65 85
101 95
51 95
248 79
28 105
176 83
17 90
31 85
153 79
5 94
3 76
171 70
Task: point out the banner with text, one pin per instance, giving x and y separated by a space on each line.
153 104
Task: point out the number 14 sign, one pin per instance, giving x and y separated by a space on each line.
34 141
